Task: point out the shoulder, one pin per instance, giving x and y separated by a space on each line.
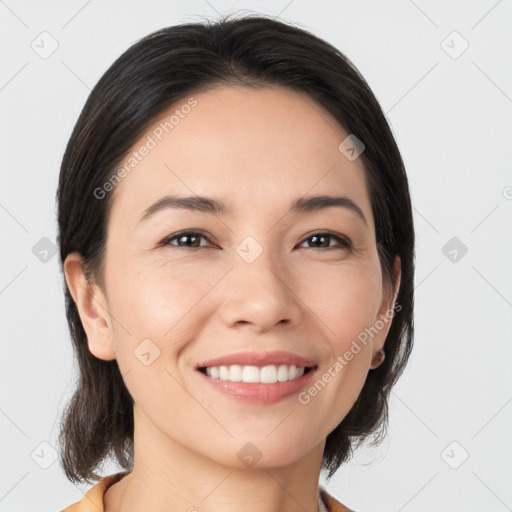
93 498
331 503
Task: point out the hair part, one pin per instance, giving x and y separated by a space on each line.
150 77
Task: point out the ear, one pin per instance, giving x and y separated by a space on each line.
92 308
386 310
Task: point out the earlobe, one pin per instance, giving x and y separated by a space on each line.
378 359
92 308
389 299
386 313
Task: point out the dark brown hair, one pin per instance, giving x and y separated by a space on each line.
150 77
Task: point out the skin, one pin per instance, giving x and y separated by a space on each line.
256 150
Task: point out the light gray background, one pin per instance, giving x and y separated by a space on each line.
452 120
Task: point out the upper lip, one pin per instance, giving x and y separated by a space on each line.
259 359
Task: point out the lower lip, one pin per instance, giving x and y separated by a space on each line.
258 393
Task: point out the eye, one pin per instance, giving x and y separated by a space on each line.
321 240
192 240
186 240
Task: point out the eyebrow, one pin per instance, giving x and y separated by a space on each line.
213 206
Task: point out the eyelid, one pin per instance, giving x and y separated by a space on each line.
191 231
343 240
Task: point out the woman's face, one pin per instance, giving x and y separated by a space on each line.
257 278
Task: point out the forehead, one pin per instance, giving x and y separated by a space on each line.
250 148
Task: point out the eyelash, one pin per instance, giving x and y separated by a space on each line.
343 241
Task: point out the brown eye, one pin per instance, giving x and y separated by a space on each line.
186 240
322 240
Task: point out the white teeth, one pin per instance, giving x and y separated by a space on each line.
266 374
282 373
224 372
235 373
249 374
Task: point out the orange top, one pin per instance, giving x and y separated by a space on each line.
93 498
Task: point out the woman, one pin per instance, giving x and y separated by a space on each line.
237 241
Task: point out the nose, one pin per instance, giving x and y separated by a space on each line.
259 294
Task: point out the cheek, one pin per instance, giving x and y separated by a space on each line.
346 300
156 310
152 330
347 304
154 297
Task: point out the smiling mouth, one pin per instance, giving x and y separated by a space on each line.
269 374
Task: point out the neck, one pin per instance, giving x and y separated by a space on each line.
169 476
